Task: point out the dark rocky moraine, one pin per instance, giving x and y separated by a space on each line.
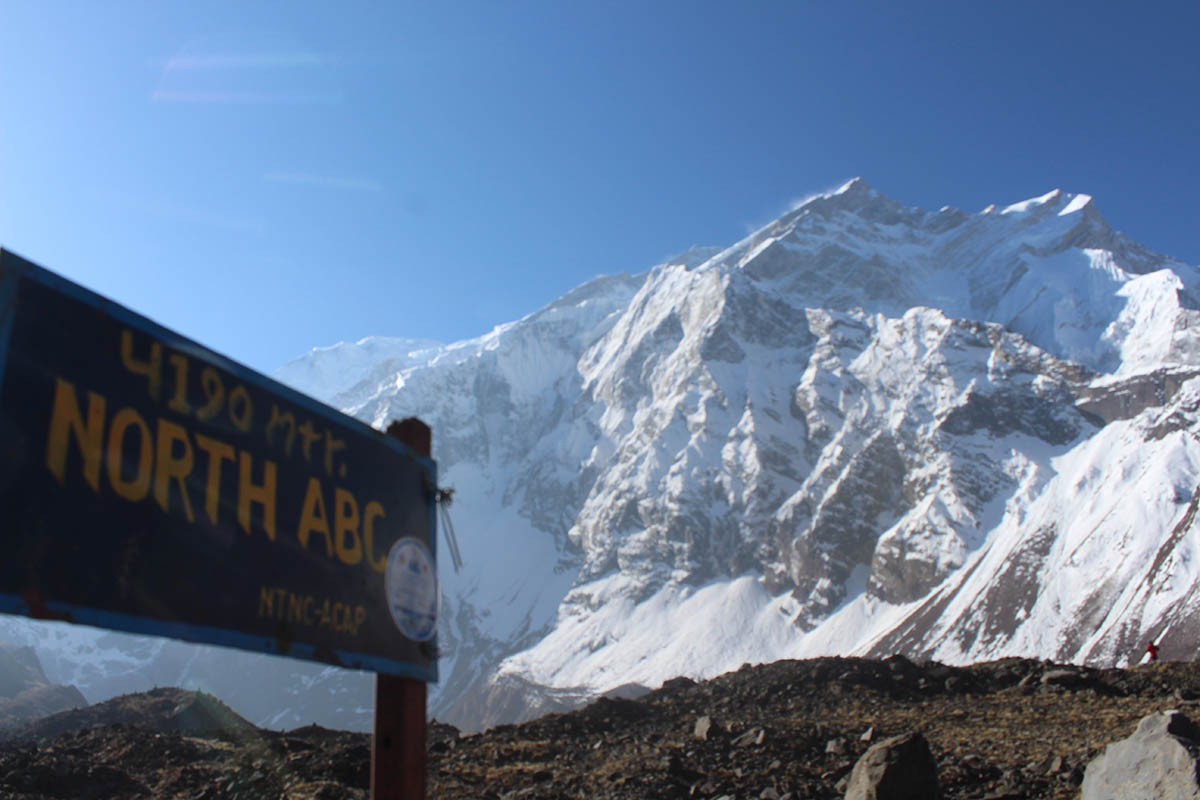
1004 729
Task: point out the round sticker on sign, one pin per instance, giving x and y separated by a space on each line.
412 589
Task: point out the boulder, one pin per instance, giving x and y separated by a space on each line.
899 768
1158 762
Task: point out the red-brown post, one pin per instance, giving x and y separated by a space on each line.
398 747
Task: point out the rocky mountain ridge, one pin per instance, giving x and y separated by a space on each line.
25 693
864 429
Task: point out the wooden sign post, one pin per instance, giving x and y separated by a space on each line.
398 753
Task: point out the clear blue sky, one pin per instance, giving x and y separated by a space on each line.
269 177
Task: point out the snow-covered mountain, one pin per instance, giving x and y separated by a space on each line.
863 429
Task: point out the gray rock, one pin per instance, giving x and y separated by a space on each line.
754 736
1158 762
702 727
899 768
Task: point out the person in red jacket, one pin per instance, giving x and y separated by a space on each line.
1152 651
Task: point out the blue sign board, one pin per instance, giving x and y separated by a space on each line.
150 485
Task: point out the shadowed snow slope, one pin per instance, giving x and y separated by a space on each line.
865 428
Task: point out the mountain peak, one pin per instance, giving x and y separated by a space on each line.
856 185
856 197
1078 202
853 195
1063 203
1050 198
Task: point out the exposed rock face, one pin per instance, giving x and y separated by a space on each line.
1125 399
899 768
1158 762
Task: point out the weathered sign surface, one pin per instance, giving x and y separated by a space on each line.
149 485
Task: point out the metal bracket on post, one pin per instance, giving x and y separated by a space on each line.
398 748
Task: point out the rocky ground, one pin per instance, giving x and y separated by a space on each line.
1005 729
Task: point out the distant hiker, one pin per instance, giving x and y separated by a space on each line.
1152 652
